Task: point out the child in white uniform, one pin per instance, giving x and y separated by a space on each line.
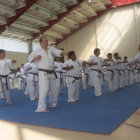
11 81
20 79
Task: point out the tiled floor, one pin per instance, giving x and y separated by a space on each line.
129 130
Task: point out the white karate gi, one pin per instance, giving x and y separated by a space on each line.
33 81
136 77
85 77
121 68
126 74
26 74
59 73
4 81
23 78
73 83
11 81
47 82
110 75
20 80
96 78
116 74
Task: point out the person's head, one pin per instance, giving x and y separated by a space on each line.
109 55
22 65
125 58
72 55
116 55
18 69
119 58
97 51
2 53
43 42
57 59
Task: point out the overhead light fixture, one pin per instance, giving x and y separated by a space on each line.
89 0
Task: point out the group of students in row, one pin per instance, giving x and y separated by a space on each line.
46 74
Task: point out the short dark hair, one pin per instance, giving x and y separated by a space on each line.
71 53
41 38
109 54
56 58
96 50
125 57
116 54
2 51
18 69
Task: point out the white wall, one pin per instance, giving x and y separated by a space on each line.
116 31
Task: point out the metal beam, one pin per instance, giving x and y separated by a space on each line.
90 19
18 12
60 16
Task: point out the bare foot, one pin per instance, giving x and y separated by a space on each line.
45 111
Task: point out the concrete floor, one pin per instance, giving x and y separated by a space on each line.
129 130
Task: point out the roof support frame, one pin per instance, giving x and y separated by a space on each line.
19 12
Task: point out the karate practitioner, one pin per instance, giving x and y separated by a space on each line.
26 75
85 77
20 79
11 80
4 73
126 71
116 71
110 72
33 84
45 56
96 72
59 72
72 67
23 76
121 68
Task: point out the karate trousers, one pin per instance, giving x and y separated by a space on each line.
47 86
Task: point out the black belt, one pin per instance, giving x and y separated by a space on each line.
49 72
98 71
132 71
75 78
34 73
110 71
4 76
86 74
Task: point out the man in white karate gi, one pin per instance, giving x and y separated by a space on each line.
45 56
